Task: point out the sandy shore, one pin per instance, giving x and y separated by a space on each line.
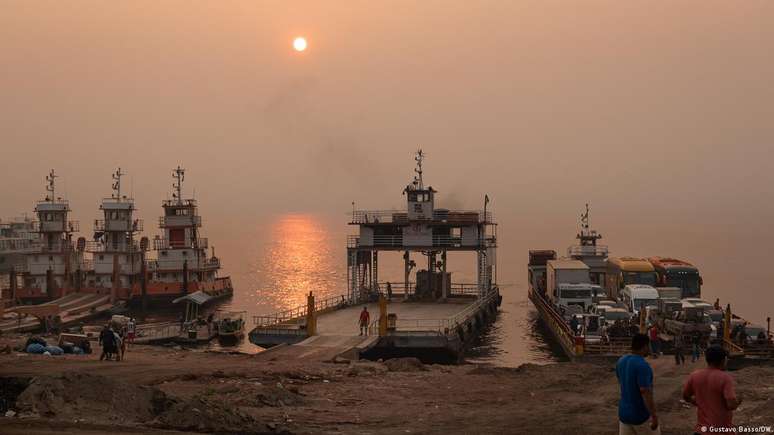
165 390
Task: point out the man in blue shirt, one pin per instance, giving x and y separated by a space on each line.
636 379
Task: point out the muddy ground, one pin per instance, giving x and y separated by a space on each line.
166 390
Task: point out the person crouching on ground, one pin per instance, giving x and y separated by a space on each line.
365 319
635 377
712 391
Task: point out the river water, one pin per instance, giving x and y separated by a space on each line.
276 261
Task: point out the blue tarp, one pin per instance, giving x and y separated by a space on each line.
36 348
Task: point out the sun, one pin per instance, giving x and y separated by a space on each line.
299 44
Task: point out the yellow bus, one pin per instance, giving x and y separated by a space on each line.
628 270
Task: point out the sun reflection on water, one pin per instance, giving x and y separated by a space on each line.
300 256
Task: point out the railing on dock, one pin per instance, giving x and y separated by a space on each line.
294 315
445 326
154 332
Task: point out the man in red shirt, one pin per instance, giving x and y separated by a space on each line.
712 391
365 319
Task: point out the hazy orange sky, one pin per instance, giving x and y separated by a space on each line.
658 113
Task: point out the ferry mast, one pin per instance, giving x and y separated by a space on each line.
420 228
589 251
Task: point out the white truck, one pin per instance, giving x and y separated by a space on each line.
639 296
568 283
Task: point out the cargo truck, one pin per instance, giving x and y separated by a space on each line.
568 282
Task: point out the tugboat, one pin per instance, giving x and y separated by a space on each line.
182 266
117 257
48 266
16 237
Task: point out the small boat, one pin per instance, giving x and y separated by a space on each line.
230 325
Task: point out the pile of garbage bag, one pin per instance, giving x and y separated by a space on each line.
37 345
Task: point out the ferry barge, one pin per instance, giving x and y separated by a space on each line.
573 294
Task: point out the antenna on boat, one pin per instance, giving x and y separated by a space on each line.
419 157
587 236
50 187
117 184
179 176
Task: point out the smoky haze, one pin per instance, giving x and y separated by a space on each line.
658 114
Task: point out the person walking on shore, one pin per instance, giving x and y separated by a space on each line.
635 377
365 319
655 341
712 391
131 329
679 353
695 346
107 341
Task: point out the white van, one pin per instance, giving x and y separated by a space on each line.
637 296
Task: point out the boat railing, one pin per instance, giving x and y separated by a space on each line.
581 250
63 226
611 345
455 289
461 217
164 243
443 326
118 225
179 203
426 326
732 348
471 310
554 319
19 245
436 241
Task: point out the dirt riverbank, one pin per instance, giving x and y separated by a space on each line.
166 390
